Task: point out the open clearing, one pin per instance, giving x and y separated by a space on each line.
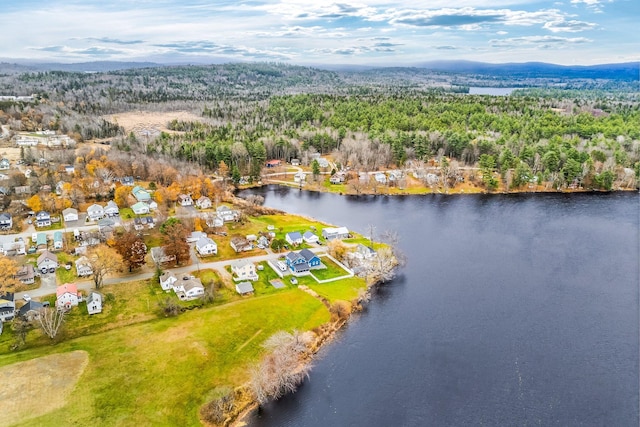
149 123
39 386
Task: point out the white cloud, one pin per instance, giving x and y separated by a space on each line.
569 26
542 42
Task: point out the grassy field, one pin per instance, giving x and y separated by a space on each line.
346 289
331 271
159 372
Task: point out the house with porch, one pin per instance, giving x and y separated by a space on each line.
7 306
188 287
303 261
240 244
43 219
6 221
226 213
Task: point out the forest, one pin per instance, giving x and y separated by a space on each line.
576 132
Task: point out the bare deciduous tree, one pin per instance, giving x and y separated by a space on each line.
281 370
50 321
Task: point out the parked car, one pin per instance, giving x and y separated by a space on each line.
294 281
26 297
32 250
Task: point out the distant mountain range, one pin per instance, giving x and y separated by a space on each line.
629 71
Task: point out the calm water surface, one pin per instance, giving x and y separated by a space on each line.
512 310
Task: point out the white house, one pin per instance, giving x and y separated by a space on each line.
83 267
243 270
152 205
363 252
203 202
95 212
167 279
309 237
331 233
140 208
7 307
94 303
67 296
43 219
299 177
111 209
214 221
6 221
195 236
226 213
47 262
70 214
206 246
294 238
188 287
185 200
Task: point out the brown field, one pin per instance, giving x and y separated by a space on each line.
39 386
148 123
11 153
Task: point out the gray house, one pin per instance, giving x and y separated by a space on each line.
6 221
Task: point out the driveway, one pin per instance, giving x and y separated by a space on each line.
48 281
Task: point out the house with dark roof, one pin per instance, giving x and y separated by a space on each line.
30 310
240 244
43 219
303 261
6 221
7 306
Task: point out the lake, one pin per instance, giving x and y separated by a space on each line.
495 91
512 310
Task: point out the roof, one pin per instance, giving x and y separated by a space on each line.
166 276
41 239
69 211
204 241
203 198
223 208
244 287
31 305
308 235
294 235
95 206
111 204
241 263
338 230
57 236
70 288
292 256
307 254
46 255
139 205
5 215
94 296
106 222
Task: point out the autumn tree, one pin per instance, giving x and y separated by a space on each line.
35 203
131 248
174 239
104 261
121 196
8 270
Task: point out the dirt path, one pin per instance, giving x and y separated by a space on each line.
39 386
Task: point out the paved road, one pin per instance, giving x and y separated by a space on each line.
86 285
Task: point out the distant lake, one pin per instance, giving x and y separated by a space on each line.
513 310
495 91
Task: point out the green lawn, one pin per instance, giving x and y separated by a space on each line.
346 289
63 275
333 270
159 372
127 213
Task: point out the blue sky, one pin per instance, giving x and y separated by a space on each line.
375 32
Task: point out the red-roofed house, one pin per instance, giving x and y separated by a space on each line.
67 296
